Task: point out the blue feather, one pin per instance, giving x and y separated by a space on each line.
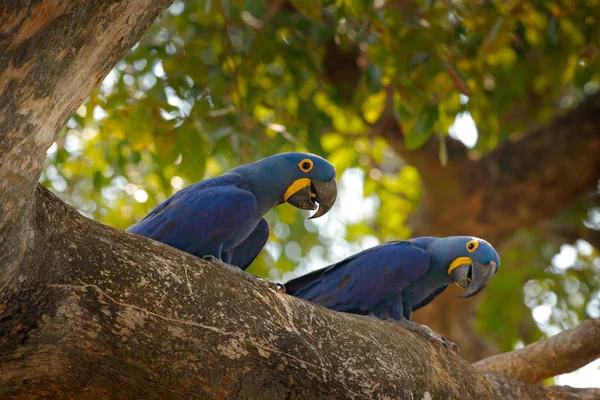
200 218
244 253
216 215
391 280
359 283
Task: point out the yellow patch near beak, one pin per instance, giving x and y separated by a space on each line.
458 262
294 187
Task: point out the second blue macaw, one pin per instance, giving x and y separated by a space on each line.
222 217
392 280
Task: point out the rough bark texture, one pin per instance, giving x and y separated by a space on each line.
559 354
53 53
101 313
161 323
88 311
513 389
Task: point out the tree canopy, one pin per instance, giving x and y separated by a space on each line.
214 84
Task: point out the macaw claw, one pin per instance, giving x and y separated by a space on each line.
276 287
429 334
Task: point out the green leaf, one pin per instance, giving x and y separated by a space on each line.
310 8
374 78
98 180
418 59
401 112
493 32
553 30
255 7
135 157
422 128
62 155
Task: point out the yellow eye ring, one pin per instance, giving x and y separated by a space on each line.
305 165
472 246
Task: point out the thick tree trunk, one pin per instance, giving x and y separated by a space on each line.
88 311
96 312
53 53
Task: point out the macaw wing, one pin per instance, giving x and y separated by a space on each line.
430 298
198 220
244 253
362 281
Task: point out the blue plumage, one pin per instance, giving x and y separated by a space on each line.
215 216
244 253
369 281
392 280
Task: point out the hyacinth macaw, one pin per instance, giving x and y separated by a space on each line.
222 218
392 280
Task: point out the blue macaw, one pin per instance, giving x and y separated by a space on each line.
222 217
392 280
244 253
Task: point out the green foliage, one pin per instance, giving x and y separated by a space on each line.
216 83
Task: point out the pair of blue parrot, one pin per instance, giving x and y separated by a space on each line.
222 219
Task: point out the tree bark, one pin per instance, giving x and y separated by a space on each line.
89 311
559 354
96 312
510 388
53 53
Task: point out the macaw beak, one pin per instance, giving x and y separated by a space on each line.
306 194
473 277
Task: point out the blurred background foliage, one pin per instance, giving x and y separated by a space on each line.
217 83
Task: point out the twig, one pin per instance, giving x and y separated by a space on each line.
459 82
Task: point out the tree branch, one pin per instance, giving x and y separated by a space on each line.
98 312
90 311
109 305
559 354
509 388
52 55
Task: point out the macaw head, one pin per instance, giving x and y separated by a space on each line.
303 180
467 261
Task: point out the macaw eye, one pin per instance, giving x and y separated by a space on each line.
306 165
472 246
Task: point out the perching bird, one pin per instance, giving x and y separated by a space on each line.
392 280
244 253
222 217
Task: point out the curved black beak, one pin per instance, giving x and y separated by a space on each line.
325 193
473 277
319 193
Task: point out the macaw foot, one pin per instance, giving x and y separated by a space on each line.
427 333
277 287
